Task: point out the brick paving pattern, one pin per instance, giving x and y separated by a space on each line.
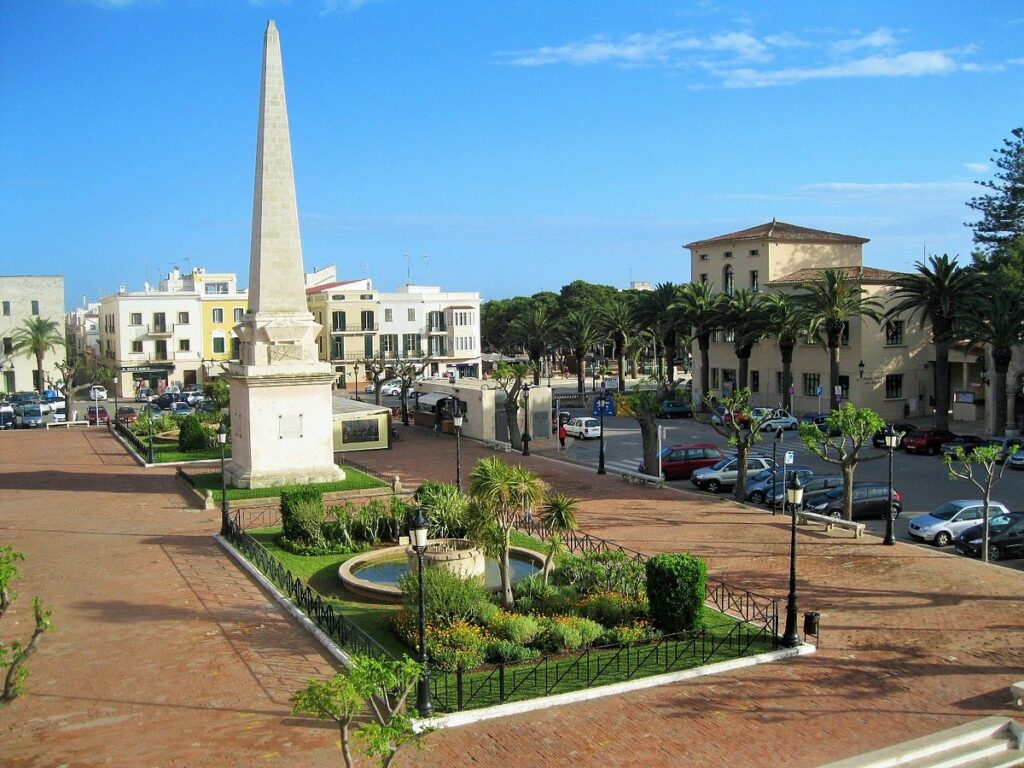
167 654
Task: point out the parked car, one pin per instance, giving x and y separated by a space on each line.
583 427
165 401
144 395
720 415
1007 446
769 482
678 462
45 407
676 409
97 392
392 388
927 440
192 398
6 416
192 388
181 409
967 442
905 428
812 485
28 416
101 418
560 418
23 398
59 410
207 406
126 414
151 408
769 419
723 474
1016 461
818 419
174 389
869 500
942 525
1005 537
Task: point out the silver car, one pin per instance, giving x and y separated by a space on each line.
724 473
942 525
767 483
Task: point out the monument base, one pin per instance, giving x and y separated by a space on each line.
239 478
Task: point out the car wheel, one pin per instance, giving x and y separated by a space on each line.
895 512
933 450
664 475
757 497
943 539
714 486
835 513
993 553
791 427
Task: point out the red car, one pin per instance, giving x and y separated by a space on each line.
126 414
679 461
927 440
104 417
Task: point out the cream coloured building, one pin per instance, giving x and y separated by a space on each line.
23 297
888 368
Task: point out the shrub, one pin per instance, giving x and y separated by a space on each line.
302 516
444 506
330 547
460 645
675 586
612 609
628 634
484 613
594 572
532 595
514 627
568 633
447 598
192 435
506 651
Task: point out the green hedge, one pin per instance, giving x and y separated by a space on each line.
303 515
675 591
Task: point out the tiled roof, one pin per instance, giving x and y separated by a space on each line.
865 275
779 231
329 286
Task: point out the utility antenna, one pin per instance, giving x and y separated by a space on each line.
408 268
427 260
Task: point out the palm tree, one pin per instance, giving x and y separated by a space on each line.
558 516
699 307
619 324
743 314
37 336
939 295
580 331
501 493
830 302
654 313
786 322
534 331
638 343
1000 325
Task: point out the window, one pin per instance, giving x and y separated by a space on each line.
755 381
727 276
435 321
239 313
135 318
35 307
159 322
236 347
811 383
7 308
366 319
8 345
338 348
218 316
714 378
894 333
893 386
183 318
411 343
387 316
389 343
730 336
368 346
137 346
755 281
844 387
366 296
844 337
337 297
411 316
216 288
703 257
727 255
337 321
183 345
779 385
218 345
703 278
462 318
755 252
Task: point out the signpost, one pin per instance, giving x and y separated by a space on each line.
819 391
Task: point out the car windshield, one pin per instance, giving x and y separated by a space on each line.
1000 522
32 411
916 433
946 511
763 475
723 463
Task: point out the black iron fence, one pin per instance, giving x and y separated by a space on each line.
346 462
139 445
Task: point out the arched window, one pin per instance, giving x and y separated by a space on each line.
727 280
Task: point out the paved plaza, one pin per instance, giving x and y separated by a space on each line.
165 653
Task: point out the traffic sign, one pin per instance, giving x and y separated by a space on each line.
819 391
838 390
790 457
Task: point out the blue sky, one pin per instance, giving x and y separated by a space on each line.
501 147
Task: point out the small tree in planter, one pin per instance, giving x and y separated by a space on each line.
986 459
743 431
675 591
192 435
558 516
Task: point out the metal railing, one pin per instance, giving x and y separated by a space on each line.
141 446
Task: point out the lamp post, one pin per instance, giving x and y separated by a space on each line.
357 380
150 437
457 422
892 440
775 471
526 420
115 403
418 534
222 439
600 451
794 495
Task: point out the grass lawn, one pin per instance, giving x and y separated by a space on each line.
354 481
163 454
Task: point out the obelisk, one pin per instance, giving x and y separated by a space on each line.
281 426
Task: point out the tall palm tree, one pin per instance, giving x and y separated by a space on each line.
619 324
939 294
558 516
699 306
534 331
580 330
636 345
654 313
743 313
37 336
1000 326
786 322
830 302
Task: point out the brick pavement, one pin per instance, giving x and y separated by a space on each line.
155 664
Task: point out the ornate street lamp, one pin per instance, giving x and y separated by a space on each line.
526 420
457 422
892 441
794 496
418 535
601 400
357 380
222 439
775 471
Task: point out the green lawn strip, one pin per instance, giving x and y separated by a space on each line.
166 454
354 481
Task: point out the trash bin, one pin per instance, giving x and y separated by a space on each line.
812 620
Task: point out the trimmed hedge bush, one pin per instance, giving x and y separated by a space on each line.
613 609
448 599
192 435
460 645
675 591
507 651
514 627
302 516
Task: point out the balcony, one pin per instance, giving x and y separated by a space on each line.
163 330
355 328
355 357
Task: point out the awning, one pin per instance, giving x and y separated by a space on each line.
431 398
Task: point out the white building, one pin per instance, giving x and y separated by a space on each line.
83 328
23 297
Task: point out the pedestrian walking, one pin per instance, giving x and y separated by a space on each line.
562 434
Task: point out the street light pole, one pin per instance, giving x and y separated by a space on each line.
357 380
150 419
526 420
418 533
115 404
225 525
794 495
892 439
600 452
775 471
457 422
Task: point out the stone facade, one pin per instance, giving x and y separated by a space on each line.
21 298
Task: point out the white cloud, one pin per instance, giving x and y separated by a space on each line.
633 49
976 167
880 38
911 64
887 187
